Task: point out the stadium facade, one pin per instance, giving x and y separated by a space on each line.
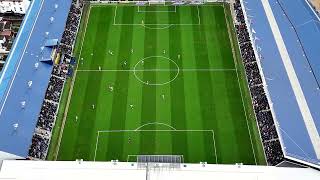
37 170
285 44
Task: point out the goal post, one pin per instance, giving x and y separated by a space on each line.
156 2
159 161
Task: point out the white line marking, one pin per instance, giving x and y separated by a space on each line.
247 85
157 24
105 4
160 24
214 145
14 76
157 130
199 19
146 11
96 147
155 123
115 15
169 130
294 81
177 70
164 27
71 89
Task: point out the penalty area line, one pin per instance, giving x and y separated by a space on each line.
168 130
214 146
155 130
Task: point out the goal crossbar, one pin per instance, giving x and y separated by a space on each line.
154 161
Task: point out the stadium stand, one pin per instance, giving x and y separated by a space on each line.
33 78
293 93
49 110
25 79
261 106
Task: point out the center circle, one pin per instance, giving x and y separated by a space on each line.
149 69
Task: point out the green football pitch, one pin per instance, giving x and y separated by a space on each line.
157 80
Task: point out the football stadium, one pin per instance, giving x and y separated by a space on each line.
216 89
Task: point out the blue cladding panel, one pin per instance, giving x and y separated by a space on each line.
293 133
21 69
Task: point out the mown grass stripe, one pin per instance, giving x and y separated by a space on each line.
229 152
104 108
148 113
134 92
259 152
118 115
88 115
224 130
212 17
238 115
178 116
70 131
206 88
163 104
225 94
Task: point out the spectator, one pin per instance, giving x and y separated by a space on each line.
268 132
48 113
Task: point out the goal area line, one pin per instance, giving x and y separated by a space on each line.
150 11
159 130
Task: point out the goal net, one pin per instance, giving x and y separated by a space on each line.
159 161
156 2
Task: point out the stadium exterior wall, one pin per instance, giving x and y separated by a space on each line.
126 170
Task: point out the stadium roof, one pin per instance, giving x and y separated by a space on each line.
100 170
25 78
286 36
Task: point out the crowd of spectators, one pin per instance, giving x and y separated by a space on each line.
54 89
273 151
39 145
61 70
70 33
269 136
48 113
